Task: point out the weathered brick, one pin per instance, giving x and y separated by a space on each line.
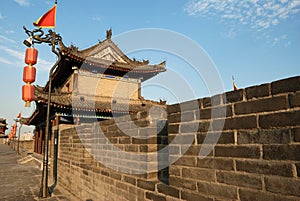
280 119
116 176
241 180
155 196
113 127
183 138
105 173
131 148
251 195
173 128
174 118
281 152
168 190
121 185
148 185
190 105
203 126
216 100
265 167
258 91
245 122
296 134
151 140
215 112
148 148
130 180
199 174
261 105
219 190
174 149
187 116
186 195
189 161
226 137
284 186
190 150
262 136
173 108
211 101
183 183
215 163
237 151
189 127
175 170
206 102
233 96
125 140
109 181
294 100
286 85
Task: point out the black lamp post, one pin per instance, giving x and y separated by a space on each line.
19 134
37 36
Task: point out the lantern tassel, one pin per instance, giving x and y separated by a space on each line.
27 104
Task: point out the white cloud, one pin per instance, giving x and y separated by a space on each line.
14 53
4 40
22 2
96 18
17 56
229 33
5 61
283 40
9 31
258 15
18 60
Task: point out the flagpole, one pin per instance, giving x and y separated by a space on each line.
45 190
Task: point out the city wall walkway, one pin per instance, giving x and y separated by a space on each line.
21 182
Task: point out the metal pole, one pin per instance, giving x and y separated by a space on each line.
18 148
44 187
55 155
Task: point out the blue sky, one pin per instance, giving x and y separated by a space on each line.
256 41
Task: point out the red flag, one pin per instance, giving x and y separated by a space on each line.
47 20
234 86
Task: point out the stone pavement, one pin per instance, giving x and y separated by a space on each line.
21 182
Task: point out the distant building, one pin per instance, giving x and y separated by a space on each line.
96 83
3 128
26 136
3 125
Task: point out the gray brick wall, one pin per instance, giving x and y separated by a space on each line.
256 157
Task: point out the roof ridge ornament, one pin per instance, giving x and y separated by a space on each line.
108 33
73 47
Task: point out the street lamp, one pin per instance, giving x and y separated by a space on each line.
19 134
37 36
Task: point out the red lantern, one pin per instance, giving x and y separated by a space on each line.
29 74
27 94
31 56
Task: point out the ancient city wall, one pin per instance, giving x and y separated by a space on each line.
257 155
25 146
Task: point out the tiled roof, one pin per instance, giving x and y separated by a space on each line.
86 56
